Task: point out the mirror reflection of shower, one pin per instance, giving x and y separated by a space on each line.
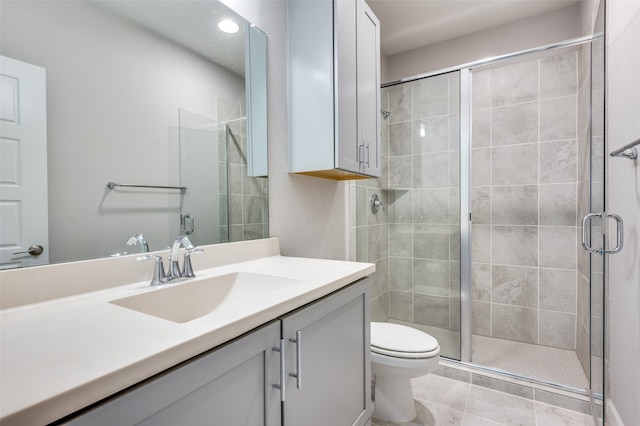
222 203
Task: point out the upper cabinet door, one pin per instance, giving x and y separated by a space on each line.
334 100
346 87
368 76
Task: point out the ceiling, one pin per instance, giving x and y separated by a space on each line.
409 24
191 24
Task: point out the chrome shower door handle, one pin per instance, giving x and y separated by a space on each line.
585 222
619 233
604 216
188 224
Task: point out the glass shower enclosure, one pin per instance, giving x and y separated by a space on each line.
490 169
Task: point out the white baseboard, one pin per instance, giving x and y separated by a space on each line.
611 416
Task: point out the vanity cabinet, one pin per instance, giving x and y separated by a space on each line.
327 379
328 361
334 89
231 385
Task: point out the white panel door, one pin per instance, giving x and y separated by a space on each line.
23 164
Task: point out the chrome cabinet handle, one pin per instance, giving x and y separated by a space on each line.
298 373
620 232
282 369
368 161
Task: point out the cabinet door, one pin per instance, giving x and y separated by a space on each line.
348 151
228 386
333 364
368 76
311 85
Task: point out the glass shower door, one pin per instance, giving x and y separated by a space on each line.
530 183
423 182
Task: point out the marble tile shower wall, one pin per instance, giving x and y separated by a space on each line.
368 231
244 200
524 201
423 177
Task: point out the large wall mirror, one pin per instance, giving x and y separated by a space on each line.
148 93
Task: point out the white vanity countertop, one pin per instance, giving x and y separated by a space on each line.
61 355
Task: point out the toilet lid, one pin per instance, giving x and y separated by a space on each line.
400 338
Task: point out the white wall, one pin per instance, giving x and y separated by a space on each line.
309 215
104 125
623 182
527 33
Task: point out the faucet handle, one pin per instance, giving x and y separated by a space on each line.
188 269
159 276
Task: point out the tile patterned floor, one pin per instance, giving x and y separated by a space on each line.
447 402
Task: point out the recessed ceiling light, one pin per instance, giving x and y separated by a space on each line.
228 26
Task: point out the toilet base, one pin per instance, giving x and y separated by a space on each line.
393 399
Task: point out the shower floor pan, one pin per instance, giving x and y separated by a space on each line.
542 363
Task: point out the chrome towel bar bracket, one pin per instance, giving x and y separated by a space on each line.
628 151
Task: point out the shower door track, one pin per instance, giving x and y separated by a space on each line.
567 43
578 391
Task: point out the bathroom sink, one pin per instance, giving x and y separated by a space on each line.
189 300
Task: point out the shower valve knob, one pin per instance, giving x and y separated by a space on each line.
376 203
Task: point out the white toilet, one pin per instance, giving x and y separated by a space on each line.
398 354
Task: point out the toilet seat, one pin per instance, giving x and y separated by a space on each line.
399 341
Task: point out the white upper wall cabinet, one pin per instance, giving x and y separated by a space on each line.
334 89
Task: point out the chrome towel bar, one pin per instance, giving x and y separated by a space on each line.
628 151
112 185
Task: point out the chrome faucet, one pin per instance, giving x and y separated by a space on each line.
159 275
139 238
174 266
